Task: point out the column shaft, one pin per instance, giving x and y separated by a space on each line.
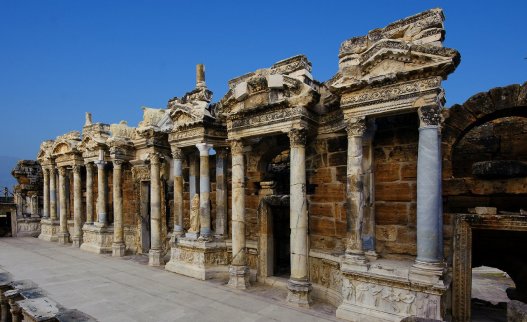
118 247
154 258
62 201
193 176
52 194
77 206
102 194
221 192
89 193
45 210
177 155
204 189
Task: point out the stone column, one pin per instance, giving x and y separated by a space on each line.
63 236
77 206
238 271
299 287
429 262
221 192
118 246
102 194
89 194
177 155
193 177
355 192
204 190
154 256
52 193
45 210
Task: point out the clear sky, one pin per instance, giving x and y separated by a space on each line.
62 58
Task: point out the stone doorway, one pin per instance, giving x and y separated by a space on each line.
275 235
487 240
5 224
145 216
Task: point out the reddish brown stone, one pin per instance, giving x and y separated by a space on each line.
387 172
322 226
409 171
321 210
391 213
338 158
395 192
323 175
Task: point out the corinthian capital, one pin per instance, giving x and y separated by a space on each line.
62 171
429 115
356 126
155 158
177 153
297 137
236 146
117 164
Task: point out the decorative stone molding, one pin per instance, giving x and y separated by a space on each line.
236 146
297 137
155 158
356 126
177 153
430 115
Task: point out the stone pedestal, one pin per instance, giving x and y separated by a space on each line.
299 293
28 227
200 259
118 249
386 292
239 277
97 238
49 229
155 257
63 238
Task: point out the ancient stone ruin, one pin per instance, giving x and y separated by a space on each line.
363 190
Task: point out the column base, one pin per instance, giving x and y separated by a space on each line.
239 277
299 293
63 238
355 262
97 239
192 235
200 259
429 273
77 241
155 258
49 229
118 249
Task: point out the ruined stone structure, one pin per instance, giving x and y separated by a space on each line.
27 198
350 190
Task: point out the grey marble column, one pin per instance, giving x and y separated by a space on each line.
204 190
154 256
63 236
102 194
118 246
221 192
77 207
238 271
177 155
355 190
45 210
52 193
193 178
298 285
89 193
429 266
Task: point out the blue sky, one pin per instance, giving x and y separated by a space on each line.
61 58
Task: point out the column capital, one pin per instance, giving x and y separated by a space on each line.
204 149
117 164
297 137
155 158
177 153
62 171
88 166
77 168
236 146
100 164
356 126
430 115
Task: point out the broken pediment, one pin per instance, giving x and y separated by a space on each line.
406 49
45 151
66 143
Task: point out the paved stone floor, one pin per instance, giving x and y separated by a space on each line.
114 289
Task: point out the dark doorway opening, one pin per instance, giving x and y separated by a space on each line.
282 241
145 216
5 224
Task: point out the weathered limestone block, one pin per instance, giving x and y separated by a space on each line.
97 239
28 227
200 259
39 309
49 229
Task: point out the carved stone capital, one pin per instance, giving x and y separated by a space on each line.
236 146
177 153
117 164
356 126
77 168
62 171
297 137
204 149
155 158
429 115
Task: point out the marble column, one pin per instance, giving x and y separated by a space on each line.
89 194
102 194
155 257
118 246
221 192
299 287
63 236
238 271
204 190
356 129
429 259
77 206
52 193
45 210
193 178
177 155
